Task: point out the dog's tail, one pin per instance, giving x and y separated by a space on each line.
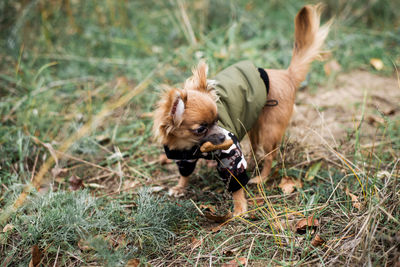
309 38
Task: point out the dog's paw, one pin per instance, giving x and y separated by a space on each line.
177 191
240 211
212 164
256 180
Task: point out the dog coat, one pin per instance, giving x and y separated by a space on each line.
242 89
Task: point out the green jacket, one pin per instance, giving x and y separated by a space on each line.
242 95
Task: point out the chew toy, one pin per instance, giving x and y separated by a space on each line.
208 146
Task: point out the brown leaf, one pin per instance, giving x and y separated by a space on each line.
305 223
331 66
56 171
218 218
376 63
375 120
132 263
75 183
8 227
259 201
196 243
235 262
208 207
216 228
130 185
103 139
317 241
288 185
156 189
389 111
120 241
83 245
282 224
36 256
354 199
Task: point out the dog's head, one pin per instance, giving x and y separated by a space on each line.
188 117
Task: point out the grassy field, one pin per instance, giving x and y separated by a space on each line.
81 181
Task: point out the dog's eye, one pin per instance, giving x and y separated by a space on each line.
201 130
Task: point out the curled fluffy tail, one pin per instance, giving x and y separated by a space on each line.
309 38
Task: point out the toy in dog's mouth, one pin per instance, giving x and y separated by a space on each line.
209 146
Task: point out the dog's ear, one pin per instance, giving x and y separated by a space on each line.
178 107
199 79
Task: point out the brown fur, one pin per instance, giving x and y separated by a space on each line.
199 100
272 122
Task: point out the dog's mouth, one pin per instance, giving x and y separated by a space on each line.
215 139
215 136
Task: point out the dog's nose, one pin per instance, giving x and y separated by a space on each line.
221 138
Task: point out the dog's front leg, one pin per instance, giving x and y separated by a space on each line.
239 202
179 189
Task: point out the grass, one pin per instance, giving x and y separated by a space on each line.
68 72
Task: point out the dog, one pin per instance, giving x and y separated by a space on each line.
241 99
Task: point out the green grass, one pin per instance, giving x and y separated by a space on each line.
63 62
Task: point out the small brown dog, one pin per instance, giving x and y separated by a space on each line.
232 105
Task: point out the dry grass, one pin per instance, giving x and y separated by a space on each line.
70 113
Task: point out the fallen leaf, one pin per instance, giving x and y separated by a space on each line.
75 183
376 63
83 245
258 201
8 227
383 174
44 188
312 171
93 185
218 218
36 256
156 189
305 223
288 185
354 199
317 241
119 241
375 120
280 225
132 263
56 171
164 160
217 228
196 243
130 185
103 139
331 66
235 262
389 111
208 207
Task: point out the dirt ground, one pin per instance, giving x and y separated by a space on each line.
335 110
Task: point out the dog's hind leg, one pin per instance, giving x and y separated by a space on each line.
264 174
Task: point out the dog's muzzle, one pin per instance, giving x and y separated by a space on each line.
215 135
